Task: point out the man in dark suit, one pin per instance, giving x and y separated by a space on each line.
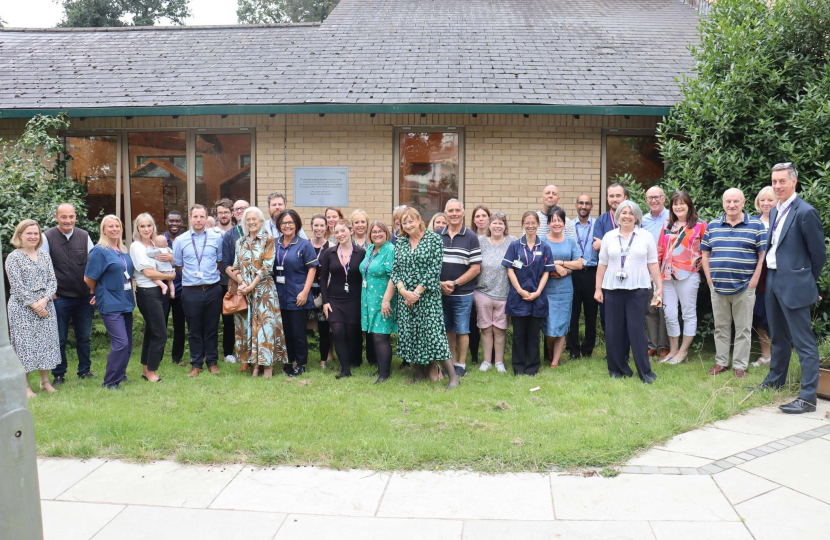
795 257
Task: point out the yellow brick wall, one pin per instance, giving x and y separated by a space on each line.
508 158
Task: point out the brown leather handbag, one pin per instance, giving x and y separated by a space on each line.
232 302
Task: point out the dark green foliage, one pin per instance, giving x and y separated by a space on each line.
32 183
108 13
761 96
283 11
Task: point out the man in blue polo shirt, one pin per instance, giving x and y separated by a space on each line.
461 266
654 221
197 253
733 252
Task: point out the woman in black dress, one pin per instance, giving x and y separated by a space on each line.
340 285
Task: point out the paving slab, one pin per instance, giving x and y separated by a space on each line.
713 443
75 521
689 530
303 527
163 483
631 497
776 425
304 490
463 495
557 530
786 514
57 475
662 458
739 485
804 468
143 522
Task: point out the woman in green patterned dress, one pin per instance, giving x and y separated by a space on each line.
415 273
377 303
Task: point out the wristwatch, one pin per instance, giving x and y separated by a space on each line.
455 284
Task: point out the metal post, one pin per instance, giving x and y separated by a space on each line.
20 517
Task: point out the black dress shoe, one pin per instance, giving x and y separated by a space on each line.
381 380
87 375
341 375
650 378
112 387
59 380
763 386
799 406
574 356
297 371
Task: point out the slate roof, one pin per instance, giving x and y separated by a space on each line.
535 52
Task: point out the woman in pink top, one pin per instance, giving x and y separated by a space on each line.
679 252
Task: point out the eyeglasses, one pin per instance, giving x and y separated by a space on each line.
655 197
241 208
583 203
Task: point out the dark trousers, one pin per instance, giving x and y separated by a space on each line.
584 283
348 343
80 312
202 309
296 340
324 332
625 311
120 328
175 306
383 351
475 336
371 354
228 331
790 327
153 306
526 360
627 344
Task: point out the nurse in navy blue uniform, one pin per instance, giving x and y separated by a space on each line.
295 266
108 274
529 263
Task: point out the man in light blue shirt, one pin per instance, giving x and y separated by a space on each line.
584 282
197 254
653 222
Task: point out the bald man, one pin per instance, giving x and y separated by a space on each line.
733 250
550 197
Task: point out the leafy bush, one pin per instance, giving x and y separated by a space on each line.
32 182
761 96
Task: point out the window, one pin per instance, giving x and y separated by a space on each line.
158 174
429 171
93 163
223 167
633 153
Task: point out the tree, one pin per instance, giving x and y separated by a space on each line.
283 11
108 13
32 181
761 96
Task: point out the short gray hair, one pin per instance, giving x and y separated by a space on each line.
454 201
247 211
788 166
635 209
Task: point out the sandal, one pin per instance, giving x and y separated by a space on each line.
761 362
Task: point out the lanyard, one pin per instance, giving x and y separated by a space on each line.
124 261
613 223
320 250
369 259
281 263
274 231
583 245
528 260
779 218
348 261
624 254
204 245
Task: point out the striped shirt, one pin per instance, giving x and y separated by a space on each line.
460 252
734 252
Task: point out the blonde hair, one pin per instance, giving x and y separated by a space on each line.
18 233
766 190
436 215
361 212
411 213
144 217
102 240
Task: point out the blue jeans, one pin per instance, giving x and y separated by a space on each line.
457 313
80 312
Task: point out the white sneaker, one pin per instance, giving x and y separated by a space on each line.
230 358
500 367
761 362
485 366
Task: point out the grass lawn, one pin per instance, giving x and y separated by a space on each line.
579 417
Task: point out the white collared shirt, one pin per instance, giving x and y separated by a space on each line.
776 234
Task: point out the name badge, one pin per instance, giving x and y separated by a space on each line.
126 274
538 253
128 286
279 268
198 275
518 264
281 279
621 275
346 287
365 284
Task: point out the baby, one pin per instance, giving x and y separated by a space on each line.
163 266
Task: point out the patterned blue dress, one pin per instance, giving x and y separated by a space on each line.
560 291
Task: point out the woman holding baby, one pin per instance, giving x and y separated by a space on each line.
153 290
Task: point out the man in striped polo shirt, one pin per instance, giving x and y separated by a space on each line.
459 274
733 252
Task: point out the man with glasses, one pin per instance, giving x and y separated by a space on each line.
584 282
233 212
654 222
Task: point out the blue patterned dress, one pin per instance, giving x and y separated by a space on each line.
560 292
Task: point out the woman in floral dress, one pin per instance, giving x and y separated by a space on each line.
415 273
260 341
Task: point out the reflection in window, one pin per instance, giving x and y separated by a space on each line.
429 169
92 164
225 169
158 177
637 155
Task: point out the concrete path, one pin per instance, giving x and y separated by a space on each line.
761 475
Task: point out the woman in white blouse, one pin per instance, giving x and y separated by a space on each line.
627 268
152 303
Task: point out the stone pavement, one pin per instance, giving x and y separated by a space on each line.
761 475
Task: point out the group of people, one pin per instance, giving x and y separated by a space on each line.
445 288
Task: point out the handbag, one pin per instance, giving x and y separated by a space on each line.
232 302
